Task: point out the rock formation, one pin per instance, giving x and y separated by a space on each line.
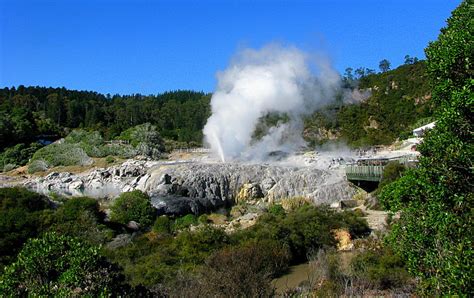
195 187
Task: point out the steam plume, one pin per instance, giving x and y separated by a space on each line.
257 82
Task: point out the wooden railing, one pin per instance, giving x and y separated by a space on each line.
365 173
372 169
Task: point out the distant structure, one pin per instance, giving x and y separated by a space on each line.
420 131
371 169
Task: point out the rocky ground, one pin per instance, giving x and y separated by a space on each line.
198 183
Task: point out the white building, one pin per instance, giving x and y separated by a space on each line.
420 131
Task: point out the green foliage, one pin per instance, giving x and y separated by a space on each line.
27 112
384 65
17 155
243 271
80 145
203 219
381 269
150 259
162 225
145 138
149 262
391 172
434 232
60 266
74 206
450 58
276 210
184 222
81 218
38 165
109 159
397 99
133 206
21 217
306 229
91 142
62 154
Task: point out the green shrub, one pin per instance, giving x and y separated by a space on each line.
57 265
21 214
109 159
9 166
305 229
78 136
73 207
62 154
162 225
276 209
243 271
133 206
146 140
203 219
17 155
185 222
391 172
37 166
381 269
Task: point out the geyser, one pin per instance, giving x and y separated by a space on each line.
274 79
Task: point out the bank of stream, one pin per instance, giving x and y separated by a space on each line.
304 275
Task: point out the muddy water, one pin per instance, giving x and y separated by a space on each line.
296 275
304 273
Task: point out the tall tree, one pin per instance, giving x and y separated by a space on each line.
384 65
435 233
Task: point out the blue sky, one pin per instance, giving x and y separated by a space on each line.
150 46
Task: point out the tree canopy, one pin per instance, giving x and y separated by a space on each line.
434 233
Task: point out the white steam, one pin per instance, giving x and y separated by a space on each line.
257 82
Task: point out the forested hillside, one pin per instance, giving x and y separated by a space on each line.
29 112
391 104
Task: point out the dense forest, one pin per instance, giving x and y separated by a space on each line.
27 113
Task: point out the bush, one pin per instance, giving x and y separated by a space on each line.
9 166
61 154
146 140
203 219
21 214
73 207
435 200
304 230
37 166
244 271
109 159
291 204
380 269
185 222
276 209
17 155
162 225
60 266
391 172
133 206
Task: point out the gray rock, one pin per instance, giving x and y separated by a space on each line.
119 241
133 225
199 187
78 184
178 188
